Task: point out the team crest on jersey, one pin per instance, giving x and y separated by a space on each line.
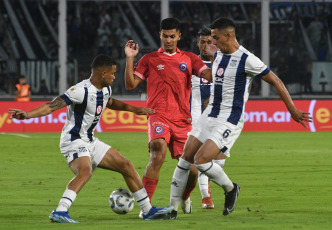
183 67
220 72
99 109
159 129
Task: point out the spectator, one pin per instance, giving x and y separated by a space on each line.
23 92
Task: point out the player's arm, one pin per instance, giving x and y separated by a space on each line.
297 115
131 80
211 51
207 74
43 110
119 105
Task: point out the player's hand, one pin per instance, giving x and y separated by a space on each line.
211 49
131 49
144 111
18 114
300 116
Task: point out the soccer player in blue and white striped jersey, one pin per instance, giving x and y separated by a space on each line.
200 94
222 121
85 103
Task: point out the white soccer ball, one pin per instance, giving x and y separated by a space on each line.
122 201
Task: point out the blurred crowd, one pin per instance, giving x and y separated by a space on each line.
97 27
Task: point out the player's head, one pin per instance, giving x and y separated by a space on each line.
103 69
170 34
223 34
204 39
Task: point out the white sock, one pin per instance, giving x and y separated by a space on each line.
216 174
179 182
220 162
203 182
66 201
143 200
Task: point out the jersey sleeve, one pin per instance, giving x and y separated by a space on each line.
255 67
198 65
73 95
142 67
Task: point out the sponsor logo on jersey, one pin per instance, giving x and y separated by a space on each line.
159 129
99 109
160 67
220 72
233 62
183 67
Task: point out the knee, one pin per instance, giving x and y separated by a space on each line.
157 153
127 167
85 173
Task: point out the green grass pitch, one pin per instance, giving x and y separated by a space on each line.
285 179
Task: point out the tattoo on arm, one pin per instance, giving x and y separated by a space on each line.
57 103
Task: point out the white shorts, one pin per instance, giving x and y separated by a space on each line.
221 132
96 150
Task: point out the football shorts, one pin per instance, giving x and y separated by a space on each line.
174 133
96 150
221 132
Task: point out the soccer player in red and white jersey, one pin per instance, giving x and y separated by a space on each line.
168 74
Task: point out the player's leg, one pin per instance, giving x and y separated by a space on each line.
203 162
78 159
158 149
204 183
176 145
182 170
159 137
115 161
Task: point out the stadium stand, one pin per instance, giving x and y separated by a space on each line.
300 34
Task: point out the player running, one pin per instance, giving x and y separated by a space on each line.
85 103
221 123
168 74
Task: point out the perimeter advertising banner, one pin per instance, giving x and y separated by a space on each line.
260 115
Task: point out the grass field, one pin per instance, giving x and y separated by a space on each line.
285 179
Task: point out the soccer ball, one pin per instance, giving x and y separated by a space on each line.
121 201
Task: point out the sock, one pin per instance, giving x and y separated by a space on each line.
220 162
179 182
203 182
66 201
143 200
191 184
150 185
216 174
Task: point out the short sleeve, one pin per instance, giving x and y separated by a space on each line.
198 65
255 67
73 95
142 67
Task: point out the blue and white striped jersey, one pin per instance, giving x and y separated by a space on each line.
200 91
232 78
85 103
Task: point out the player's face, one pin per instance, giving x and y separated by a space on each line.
169 40
109 75
220 38
202 43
